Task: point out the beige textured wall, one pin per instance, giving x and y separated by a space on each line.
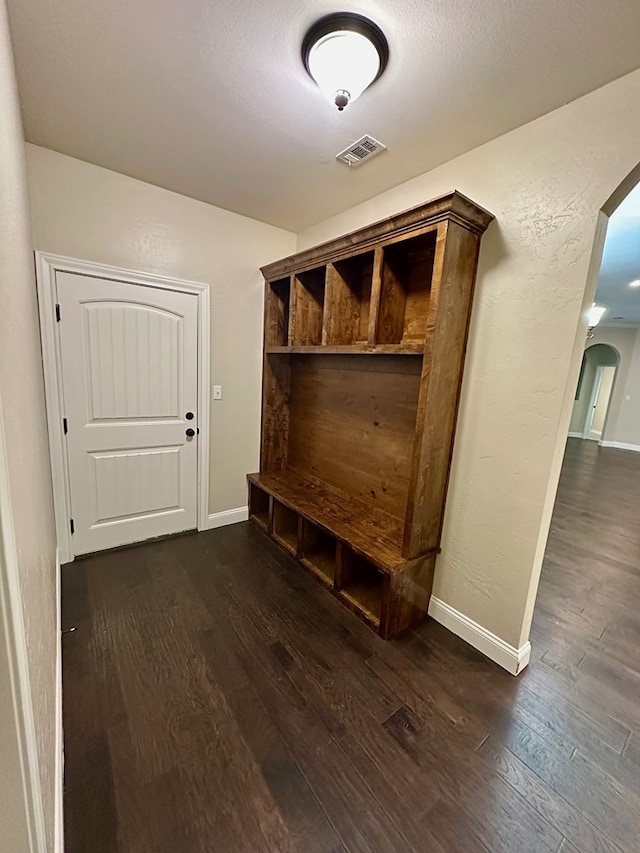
627 425
25 436
546 183
86 212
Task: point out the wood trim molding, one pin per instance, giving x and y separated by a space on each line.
508 657
14 652
59 767
454 206
46 267
620 445
227 516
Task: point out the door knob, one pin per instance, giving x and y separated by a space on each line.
190 432
189 416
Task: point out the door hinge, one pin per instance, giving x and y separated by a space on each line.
57 312
72 526
65 426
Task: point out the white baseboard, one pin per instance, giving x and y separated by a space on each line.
620 445
575 435
228 516
508 657
59 766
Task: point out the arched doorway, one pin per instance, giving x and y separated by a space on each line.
594 392
593 528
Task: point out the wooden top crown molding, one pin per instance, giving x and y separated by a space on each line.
453 206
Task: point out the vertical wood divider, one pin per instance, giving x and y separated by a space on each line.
329 285
452 287
376 290
274 426
385 609
274 433
270 521
299 544
338 579
295 284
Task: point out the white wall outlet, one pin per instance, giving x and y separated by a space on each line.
217 392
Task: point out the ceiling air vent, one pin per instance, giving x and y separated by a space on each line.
364 149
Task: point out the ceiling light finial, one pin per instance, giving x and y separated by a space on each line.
344 53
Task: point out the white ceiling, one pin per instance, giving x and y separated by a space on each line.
209 97
621 264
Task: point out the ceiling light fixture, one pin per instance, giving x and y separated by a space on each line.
596 313
344 53
635 283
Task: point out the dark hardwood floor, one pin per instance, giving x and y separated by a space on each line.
216 698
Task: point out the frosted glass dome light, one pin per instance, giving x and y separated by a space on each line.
344 64
595 315
344 53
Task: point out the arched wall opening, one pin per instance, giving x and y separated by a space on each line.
606 211
594 392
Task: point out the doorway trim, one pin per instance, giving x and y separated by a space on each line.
593 398
47 265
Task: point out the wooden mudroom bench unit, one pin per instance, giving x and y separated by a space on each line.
364 345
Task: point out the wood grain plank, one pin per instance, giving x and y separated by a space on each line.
274 431
582 833
446 339
349 285
450 207
218 699
307 308
351 424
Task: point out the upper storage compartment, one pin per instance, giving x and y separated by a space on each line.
407 272
277 312
349 292
308 307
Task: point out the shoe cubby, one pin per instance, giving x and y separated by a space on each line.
285 526
407 272
259 506
360 585
318 552
309 289
349 291
277 312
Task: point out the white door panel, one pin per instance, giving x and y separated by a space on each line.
129 368
135 361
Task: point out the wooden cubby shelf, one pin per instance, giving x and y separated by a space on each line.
353 349
278 299
373 535
318 552
352 551
284 526
356 443
307 307
405 290
361 586
259 507
349 285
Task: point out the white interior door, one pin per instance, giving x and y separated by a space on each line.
593 399
601 404
129 376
